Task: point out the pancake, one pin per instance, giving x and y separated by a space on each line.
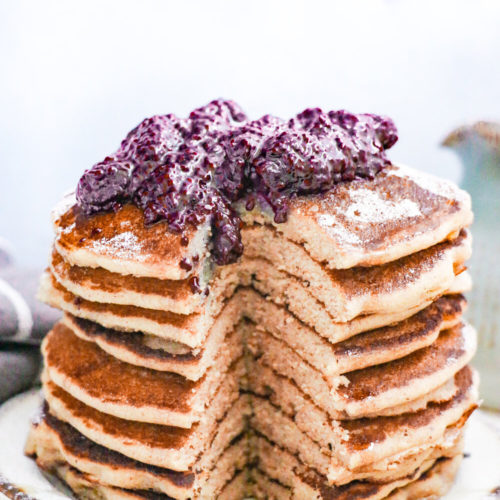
53 442
365 439
310 311
377 346
432 480
100 285
192 330
84 486
265 381
365 349
186 329
416 374
161 354
353 224
242 318
175 448
434 483
120 241
111 386
127 391
373 389
270 457
151 352
441 394
332 447
87 487
348 293
399 212
177 296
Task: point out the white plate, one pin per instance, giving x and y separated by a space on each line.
478 476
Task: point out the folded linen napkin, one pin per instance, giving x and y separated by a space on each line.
23 323
23 319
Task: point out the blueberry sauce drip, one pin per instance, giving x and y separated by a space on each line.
189 171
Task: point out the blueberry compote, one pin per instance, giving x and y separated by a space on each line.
187 171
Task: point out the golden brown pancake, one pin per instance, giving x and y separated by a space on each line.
98 283
348 293
175 448
373 347
53 441
345 294
189 329
161 354
371 390
282 475
127 391
339 449
356 301
329 361
400 212
296 298
366 349
85 486
112 240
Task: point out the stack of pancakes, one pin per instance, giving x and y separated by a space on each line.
330 361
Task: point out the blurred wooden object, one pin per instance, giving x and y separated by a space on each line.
478 146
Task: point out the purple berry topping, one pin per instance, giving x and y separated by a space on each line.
104 186
191 171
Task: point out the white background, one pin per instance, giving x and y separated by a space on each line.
76 76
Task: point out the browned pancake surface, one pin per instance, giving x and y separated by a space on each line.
411 331
110 380
358 490
394 275
123 234
183 321
378 379
103 280
400 189
132 341
151 435
79 446
363 432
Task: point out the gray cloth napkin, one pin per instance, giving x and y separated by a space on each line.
23 323
23 319
19 367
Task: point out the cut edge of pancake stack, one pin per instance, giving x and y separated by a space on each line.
330 361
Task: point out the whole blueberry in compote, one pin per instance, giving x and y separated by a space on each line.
152 139
188 172
104 186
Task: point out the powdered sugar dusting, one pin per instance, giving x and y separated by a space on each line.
368 206
68 229
123 246
365 207
435 185
331 224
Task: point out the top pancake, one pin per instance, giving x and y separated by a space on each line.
120 242
366 223
361 223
